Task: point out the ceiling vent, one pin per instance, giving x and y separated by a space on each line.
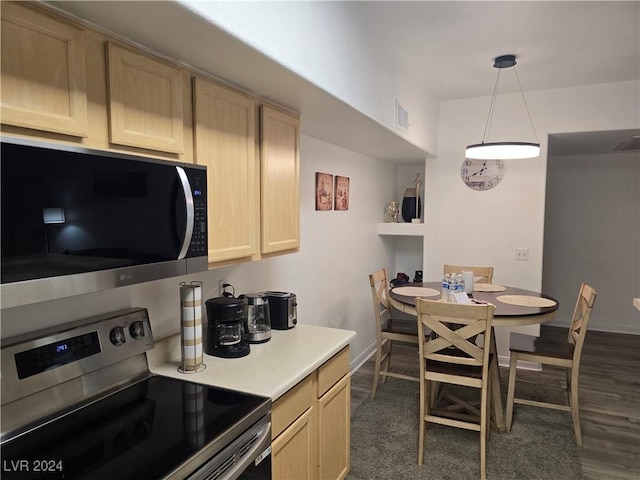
630 145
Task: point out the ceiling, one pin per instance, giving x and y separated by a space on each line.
447 46
595 143
451 44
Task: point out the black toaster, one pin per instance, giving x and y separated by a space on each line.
282 309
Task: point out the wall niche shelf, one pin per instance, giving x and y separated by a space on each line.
403 229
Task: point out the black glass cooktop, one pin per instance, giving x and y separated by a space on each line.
142 432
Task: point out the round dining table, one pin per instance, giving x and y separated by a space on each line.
504 315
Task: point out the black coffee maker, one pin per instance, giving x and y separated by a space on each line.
226 337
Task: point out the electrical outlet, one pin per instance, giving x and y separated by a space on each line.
221 284
522 254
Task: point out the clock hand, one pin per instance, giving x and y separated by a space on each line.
484 167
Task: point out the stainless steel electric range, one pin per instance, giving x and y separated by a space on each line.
80 403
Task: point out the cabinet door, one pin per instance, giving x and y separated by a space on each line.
43 72
280 164
334 421
293 450
145 101
225 143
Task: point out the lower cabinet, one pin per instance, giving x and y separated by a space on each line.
292 452
311 424
333 430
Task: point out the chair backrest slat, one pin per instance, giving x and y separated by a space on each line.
580 320
456 328
485 272
380 294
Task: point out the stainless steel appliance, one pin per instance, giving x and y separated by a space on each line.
226 332
76 220
80 403
258 320
283 307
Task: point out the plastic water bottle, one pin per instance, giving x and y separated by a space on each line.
451 289
444 293
459 283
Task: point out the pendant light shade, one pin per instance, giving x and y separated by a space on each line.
503 150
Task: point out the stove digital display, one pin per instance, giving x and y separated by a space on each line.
57 354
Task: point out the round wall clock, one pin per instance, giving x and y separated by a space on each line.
481 174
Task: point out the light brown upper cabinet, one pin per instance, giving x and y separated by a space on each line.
280 170
145 101
43 72
225 126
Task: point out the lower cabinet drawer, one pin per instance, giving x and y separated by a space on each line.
332 370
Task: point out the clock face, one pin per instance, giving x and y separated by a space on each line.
481 174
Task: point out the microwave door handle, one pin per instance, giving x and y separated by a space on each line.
188 197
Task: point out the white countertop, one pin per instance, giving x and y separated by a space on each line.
270 370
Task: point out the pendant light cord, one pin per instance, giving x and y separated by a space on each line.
525 104
487 126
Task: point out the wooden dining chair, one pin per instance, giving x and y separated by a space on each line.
451 356
388 330
485 273
565 355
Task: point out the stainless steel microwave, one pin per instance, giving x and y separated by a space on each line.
76 220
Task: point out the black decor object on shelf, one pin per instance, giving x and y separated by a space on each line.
409 205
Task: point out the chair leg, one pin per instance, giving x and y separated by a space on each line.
424 400
387 362
575 409
484 407
489 410
496 395
513 364
376 372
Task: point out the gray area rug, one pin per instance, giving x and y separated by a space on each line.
384 439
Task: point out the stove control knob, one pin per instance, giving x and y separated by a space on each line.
117 336
137 330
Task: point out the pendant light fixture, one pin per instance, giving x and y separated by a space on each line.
503 150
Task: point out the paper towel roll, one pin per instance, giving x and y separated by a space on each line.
191 327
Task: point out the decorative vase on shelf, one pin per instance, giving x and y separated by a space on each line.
409 205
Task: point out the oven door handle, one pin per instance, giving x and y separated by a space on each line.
258 451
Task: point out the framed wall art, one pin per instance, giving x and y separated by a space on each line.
341 193
324 191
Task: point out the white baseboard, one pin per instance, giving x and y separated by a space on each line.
362 358
504 361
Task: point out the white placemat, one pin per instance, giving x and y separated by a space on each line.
488 287
526 301
416 291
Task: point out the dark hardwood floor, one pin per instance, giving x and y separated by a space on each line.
609 401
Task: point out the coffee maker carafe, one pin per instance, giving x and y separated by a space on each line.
226 327
258 320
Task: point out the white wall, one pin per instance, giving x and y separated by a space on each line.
331 45
329 274
470 227
592 234
487 227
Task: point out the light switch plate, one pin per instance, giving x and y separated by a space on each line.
522 254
